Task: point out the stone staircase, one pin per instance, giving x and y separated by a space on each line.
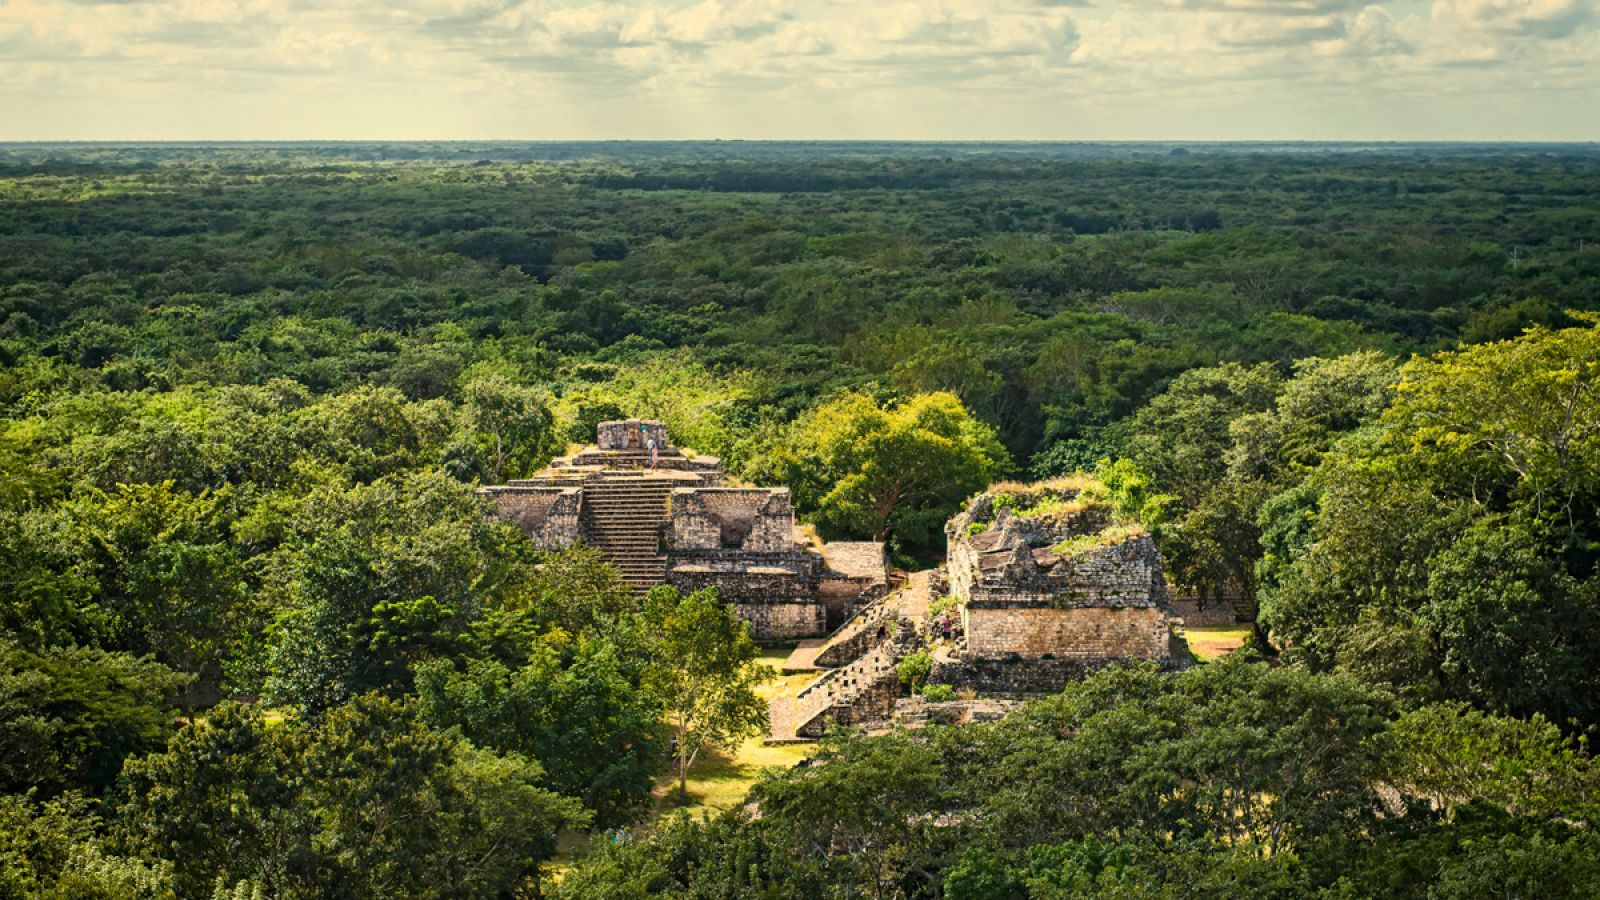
861 677
876 622
623 516
864 690
871 624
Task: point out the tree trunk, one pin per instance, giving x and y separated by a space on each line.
683 763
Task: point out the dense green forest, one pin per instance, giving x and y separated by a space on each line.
259 639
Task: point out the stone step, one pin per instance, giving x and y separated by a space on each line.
837 689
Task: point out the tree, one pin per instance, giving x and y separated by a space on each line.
1181 437
866 470
74 714
578 590
223 800
1449 549
864 808
379 577
702 671
368 803
569 707
509 424
1453 756
1324 399
54 849
169 579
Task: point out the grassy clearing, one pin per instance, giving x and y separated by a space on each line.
717 780
781 685
720 780
1211 643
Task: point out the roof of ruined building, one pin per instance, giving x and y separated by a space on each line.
986 541
856 559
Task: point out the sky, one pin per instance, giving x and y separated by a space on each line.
800 69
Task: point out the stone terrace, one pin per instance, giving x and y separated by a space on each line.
663 516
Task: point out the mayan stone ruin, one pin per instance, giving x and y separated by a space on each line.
1040 587
666 516
1049 587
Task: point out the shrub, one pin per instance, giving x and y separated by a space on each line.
914 669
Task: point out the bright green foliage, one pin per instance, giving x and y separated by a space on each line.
864 470
368 804
570 708
702 671
1131 494
511 428
53 850
379 577
71 714
50 596
914 668
168 577
704 411
1450 551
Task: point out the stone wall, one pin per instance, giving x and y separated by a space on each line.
843 597
756 520
626 435
779 602
854 575
775 622
864 698
547 515
914 712
871 627
1125 573
1217 612
1020 678
1084 633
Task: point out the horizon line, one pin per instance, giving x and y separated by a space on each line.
7 142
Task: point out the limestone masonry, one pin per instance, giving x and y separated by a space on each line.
1040 588
1041 574
663 516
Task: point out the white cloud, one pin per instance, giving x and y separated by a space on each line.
796 68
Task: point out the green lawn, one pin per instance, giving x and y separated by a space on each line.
719 780
1211 643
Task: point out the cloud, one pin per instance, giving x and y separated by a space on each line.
1278 33
1270 7
728 65
1546 19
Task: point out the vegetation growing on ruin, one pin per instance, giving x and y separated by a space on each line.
1110 536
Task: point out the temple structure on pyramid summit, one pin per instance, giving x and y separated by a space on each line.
665 515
